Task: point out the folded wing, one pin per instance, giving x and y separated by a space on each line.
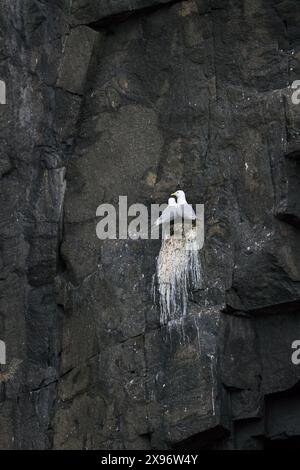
169 214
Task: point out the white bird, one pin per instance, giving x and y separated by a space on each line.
184 211
169 214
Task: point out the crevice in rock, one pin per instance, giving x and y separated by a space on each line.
202 441
113 20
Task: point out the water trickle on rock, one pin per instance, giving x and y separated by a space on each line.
178 272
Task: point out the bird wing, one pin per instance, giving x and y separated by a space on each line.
189 212
167 215
186 212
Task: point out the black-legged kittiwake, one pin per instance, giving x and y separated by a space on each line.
184 211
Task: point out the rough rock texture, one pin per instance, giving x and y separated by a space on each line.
118 97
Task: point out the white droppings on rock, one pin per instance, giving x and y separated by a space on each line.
2 92
178 272
198 336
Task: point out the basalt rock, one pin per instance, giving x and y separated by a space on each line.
139 98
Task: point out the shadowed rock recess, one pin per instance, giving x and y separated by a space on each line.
141 97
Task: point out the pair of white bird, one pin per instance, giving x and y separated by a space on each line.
176 211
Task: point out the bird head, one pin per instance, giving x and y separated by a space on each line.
179 195
172 201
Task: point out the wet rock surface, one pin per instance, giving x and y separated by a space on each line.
109 98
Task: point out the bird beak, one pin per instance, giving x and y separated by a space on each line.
173 194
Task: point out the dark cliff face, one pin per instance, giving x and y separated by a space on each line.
138 98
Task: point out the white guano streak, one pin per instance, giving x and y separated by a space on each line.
178 272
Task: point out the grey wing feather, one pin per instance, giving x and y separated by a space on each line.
167 215
189 213
186 212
